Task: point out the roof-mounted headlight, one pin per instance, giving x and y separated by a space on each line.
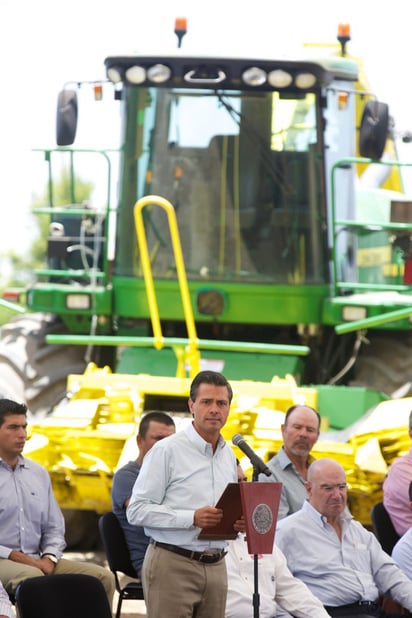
114 74
159 73
254 76
135 74
280 78
305 80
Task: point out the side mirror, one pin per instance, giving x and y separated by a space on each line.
374 130
66 118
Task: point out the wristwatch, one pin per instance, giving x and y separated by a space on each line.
51 557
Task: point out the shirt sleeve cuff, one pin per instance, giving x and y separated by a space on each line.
184 519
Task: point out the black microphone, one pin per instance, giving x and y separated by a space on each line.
256 461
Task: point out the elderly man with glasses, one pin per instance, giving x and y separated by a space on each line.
340 561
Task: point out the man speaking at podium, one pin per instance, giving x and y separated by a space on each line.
181 479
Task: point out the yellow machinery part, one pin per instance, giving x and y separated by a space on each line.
84 441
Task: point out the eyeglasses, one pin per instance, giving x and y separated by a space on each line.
329 488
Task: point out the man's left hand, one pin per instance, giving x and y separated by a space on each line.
240 525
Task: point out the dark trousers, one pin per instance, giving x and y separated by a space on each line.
360 611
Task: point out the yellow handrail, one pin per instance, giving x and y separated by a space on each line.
192 352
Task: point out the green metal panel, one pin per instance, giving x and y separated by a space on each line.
245 303
235 366
52 298
343 405
377 307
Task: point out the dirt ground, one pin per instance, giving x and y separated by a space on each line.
130 609
135 609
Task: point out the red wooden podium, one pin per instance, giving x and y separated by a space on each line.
260 506
259 503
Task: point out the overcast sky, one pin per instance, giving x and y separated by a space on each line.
45 43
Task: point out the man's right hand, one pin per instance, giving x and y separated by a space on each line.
207 516
44 564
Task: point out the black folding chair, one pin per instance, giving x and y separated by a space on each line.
65 596
383 527
118 558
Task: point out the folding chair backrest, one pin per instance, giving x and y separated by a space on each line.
118 557
62 596
115 546
383 527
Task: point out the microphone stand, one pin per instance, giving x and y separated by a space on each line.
256 596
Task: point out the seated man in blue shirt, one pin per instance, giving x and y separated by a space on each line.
340 561
31 522
153 427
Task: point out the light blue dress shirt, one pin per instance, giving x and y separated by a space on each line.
340 572
30 519
402 553
178 476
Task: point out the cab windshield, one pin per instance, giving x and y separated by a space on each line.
241 170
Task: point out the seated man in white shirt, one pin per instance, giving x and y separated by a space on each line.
402 552
276 584
340 561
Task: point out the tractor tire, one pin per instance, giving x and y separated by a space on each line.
32 371
374 129
385 364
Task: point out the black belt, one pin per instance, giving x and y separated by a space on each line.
209 557
365 606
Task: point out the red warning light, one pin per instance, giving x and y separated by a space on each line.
344 31
180 29
343 37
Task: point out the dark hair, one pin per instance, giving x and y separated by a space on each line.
8 407
300 405
209 377
158 417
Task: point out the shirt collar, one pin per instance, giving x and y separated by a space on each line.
200 443
320 519
21 463
284 460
